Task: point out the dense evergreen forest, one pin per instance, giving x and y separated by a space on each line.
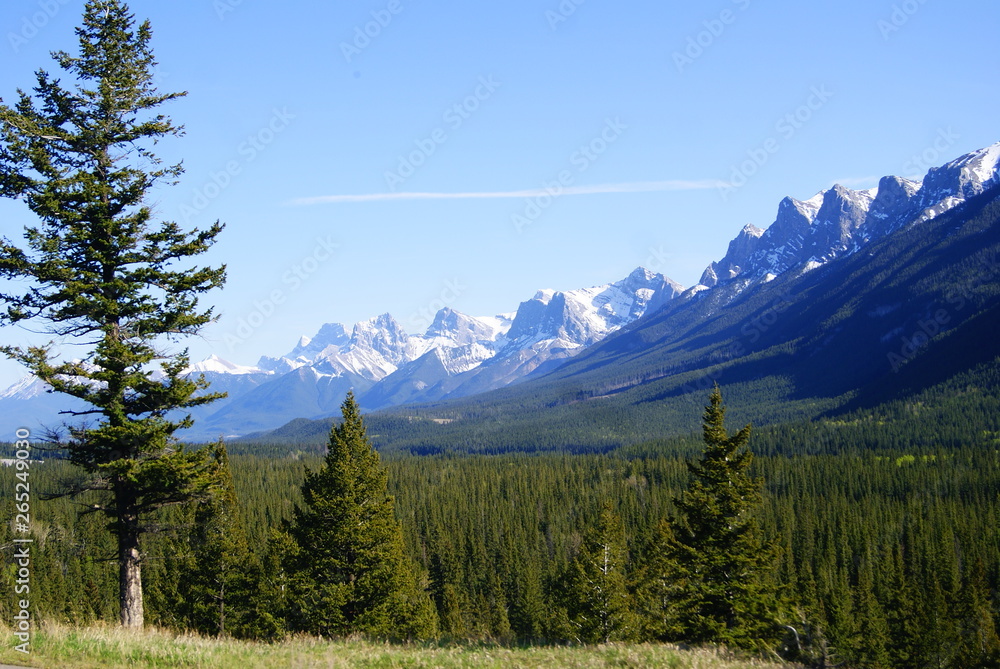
883 547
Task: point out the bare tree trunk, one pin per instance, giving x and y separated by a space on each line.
129 560
130 580
130 585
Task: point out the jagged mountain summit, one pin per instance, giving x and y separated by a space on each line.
379 346
839 221
545 330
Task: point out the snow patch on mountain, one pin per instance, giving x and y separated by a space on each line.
577 318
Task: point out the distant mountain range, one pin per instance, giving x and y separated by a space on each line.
601 341
458 355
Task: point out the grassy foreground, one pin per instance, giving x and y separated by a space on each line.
110 648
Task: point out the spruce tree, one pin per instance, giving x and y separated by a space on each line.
718 549
658 592
102 273
598 601
870 645
444 574
350 571
217 590
527 598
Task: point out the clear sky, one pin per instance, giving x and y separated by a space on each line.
659 129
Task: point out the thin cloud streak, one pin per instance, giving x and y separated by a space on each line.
637 187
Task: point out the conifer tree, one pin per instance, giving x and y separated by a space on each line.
599 604
980 644
217 590
488 597
101 272
870 647
527 599
901 609
272 604
718 549
443 576
658 593
351 574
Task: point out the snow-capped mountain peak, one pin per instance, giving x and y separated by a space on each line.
456 327
25 388
545 295
963 177
216 364
308 348
583 316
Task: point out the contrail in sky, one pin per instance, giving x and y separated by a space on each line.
636 187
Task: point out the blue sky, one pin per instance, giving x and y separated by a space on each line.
554 144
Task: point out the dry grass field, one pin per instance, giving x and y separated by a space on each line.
111 648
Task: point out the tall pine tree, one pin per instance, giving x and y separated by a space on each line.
102 273
718 550
350 571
